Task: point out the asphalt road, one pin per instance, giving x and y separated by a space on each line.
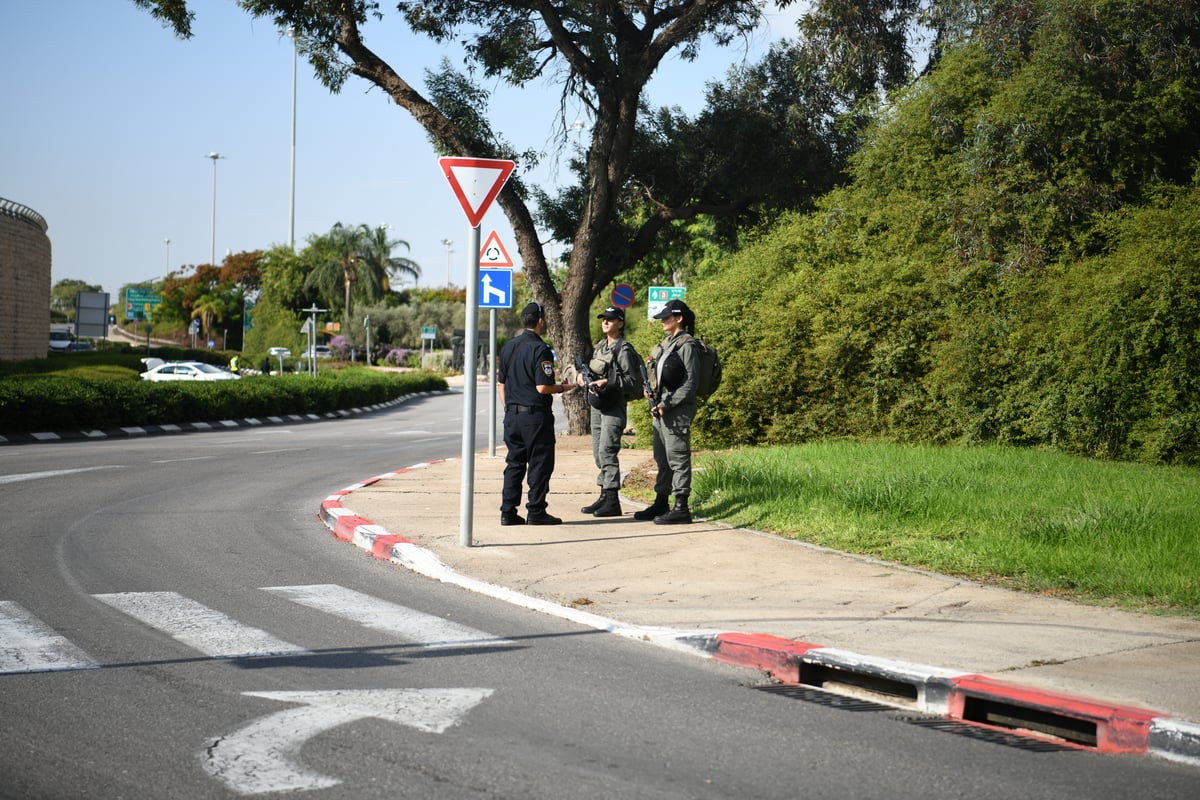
175 623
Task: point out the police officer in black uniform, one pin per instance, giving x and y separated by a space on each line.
527 385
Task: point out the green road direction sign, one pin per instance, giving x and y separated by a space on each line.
140 303
428 333
659 296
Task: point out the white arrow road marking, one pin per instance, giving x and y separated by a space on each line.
198 626
29 645
264 755
382 615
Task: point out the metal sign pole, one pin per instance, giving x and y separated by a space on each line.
475 182
470 384
492 385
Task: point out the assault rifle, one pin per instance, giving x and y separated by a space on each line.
589 377
646 388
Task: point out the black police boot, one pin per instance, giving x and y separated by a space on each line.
679 515
542 518
610 505
660 507
590 508
511 518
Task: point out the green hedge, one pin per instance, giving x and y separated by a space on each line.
36 403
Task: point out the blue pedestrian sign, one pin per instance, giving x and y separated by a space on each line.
495 288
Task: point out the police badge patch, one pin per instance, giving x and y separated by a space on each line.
548 368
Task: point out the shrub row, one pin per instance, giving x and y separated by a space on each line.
55 403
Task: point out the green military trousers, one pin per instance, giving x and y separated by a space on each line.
607 428
673 451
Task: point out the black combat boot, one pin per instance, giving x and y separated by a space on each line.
660 507
591 507
610 504
679 515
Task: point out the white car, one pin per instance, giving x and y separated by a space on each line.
60 340
184 371
321 352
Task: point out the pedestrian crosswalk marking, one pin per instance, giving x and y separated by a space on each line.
29 645
198 626
382 615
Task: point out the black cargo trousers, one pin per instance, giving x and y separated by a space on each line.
529 437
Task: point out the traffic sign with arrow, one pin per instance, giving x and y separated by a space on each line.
495 288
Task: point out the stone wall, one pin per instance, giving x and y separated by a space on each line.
24 283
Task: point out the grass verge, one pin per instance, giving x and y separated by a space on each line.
1115 534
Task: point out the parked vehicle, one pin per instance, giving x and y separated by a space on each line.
60 340
321 351
183 371
80 346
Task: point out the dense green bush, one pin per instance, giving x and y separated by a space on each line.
57 403
1015 260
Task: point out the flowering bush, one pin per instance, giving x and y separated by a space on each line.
399 357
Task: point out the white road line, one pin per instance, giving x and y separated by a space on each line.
198 626
29 645
382 615
30 476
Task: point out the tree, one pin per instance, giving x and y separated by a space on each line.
381 266
209 309
62 294
606 53
358 262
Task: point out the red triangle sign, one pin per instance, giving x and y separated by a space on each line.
476 182
493 253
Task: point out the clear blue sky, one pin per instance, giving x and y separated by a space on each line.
106 121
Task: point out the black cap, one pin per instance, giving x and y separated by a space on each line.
533 310
612 313
672 308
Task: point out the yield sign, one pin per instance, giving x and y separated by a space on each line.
476 182
493 253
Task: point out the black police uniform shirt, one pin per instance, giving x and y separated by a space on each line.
530 357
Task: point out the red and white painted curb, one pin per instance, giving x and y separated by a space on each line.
965 697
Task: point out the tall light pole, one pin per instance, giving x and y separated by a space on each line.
449 249
212 259
167 242
291 32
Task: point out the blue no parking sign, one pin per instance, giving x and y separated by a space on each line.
622 295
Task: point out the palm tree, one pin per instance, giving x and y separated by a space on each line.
358 260
210 310
381 267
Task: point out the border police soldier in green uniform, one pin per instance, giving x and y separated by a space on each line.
615 369
527 385
673 371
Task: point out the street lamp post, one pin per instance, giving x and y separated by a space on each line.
291 32
167 242
449 249
212 259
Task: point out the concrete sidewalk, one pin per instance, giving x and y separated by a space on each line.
1130 682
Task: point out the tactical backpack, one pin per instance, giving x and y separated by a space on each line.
709 372
633 386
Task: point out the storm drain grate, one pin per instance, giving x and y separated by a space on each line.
972 731
824 698
990 735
